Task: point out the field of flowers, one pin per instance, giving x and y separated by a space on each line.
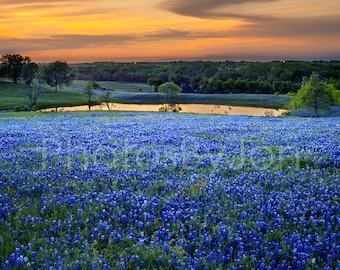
169 191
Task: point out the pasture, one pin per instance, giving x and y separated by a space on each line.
14 96
107 190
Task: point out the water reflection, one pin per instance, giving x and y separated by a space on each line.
186 108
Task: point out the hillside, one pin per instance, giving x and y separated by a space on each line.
14 96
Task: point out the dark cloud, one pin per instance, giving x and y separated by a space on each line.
316 28
175 34
168 34
213 9
61 42
299 27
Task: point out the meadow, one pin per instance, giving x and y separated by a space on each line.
109 190
14 96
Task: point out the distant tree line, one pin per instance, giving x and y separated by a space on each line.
277 77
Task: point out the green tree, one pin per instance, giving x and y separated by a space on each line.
170 90
58 73
89 90
3 70
29 72
13 64
314 95
155 82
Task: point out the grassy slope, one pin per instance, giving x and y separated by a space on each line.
116 86
142 94
266 101
12 95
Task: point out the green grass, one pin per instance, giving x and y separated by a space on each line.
15 96
248 100
138 93
116 86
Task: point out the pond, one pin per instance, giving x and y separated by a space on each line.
186 108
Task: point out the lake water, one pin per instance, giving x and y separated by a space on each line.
186 108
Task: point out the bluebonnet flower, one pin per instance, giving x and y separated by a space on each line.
131 189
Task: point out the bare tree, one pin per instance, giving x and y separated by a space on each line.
33 93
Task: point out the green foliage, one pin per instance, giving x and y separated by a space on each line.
170 88
215 77
58 73
313 95
333 93
89 87
29 72
95 85
155 82
336 96
13 63
291 94
3 70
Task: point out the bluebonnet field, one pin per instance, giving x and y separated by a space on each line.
169 191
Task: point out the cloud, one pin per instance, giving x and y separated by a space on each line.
23 2
60 42
176 34
212 8
318 29
297 27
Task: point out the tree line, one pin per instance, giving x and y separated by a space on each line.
55 74
276 77
314 82
19 67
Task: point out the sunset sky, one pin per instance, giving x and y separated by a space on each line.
162 30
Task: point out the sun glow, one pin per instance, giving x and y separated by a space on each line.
154 29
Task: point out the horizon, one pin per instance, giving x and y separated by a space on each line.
204 30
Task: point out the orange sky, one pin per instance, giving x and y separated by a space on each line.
159 30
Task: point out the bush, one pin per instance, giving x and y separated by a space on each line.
336 96
291 94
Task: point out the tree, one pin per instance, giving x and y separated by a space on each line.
182 80
106 99
57 74
13 64
3 70
29 72
89 90
33 93
169 89
313 95
155 82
